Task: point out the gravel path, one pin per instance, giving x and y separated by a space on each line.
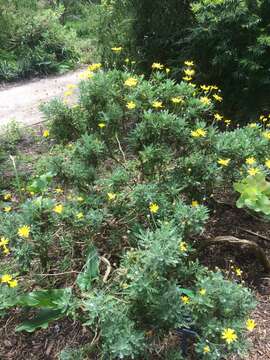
21 101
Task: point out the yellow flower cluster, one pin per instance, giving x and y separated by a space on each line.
185 299
111 196
206 349
218 117
4 245
59 191
250 160
189 72
86 74
217 97
79 215
264 118
250 324
7 279
70 90
266 135
202 292
253 171
208 88
267 163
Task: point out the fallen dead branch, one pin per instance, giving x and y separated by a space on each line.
109 268
257 250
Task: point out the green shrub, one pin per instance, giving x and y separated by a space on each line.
169 128
234 35
146 154
34 42
162 290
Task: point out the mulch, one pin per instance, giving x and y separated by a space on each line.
42 344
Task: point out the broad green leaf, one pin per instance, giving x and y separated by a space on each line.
41 184
254 194
90 271
50 299
41 320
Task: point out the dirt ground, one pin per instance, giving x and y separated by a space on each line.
20 101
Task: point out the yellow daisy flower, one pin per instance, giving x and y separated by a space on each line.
250 324
206 349
253 171
111 196
250 161
117 49
224 162
229 335
157 66
183 246
153 207
24 231
185 299
58 209
131 105
157 104
101 125
130 82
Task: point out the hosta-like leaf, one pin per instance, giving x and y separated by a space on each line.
41 320
90 271
50 299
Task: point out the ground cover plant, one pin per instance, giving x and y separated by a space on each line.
116 207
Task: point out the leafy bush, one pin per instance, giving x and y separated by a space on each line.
146 156
234 35
170 128
34 42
